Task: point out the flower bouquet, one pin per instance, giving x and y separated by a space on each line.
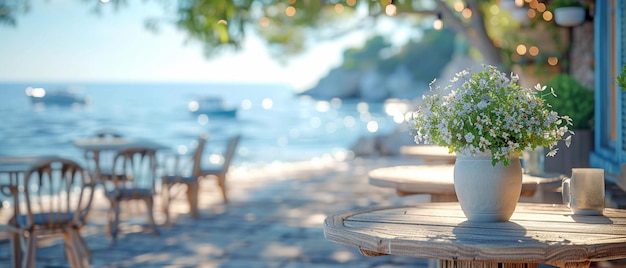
489 113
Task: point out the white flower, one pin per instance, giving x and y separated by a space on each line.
489 112
540 88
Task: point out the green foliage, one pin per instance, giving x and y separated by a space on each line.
621 78
425 58
574 99
430 55
368 55
9 10
564 3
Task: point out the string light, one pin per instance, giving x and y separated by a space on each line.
553 61
391 10
438 23
290 11
519 3
339 8
467 13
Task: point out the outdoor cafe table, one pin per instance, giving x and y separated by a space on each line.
438 181
429 153
536 233
98 145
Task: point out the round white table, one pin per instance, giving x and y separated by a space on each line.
438 181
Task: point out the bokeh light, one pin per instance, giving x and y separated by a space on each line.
391 10
372 126
246 104
203 119
553 61
290 11
362 107
339 8
541 7
265 21
521 49
459 6
467 13
494 9
322 106
438 24
533 51
267 103
349 121
548 16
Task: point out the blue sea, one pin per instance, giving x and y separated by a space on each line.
276 123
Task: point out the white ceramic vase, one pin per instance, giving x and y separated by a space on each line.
487 193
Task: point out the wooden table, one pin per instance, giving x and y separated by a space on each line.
438 181
99 145
429 153
114 144
536 233
17 164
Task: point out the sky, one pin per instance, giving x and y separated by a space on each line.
61 41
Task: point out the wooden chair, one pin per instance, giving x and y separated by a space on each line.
220 172
54 198
133 178
180 174
99 162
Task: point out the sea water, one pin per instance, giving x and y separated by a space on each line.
275 123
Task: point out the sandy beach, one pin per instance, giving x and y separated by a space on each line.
274 219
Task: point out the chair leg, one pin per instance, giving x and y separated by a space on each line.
150 207
114 217
16 249
70 250
80 247
221 182
165 202
31 251
192 198
85 249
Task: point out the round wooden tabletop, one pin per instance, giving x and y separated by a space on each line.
536 233
429 153
439 180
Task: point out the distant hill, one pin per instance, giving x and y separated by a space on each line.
374 73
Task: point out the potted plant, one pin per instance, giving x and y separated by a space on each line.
568 12
488 120
576 100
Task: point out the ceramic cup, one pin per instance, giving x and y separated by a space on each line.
583 193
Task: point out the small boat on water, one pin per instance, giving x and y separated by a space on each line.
211 106
57 97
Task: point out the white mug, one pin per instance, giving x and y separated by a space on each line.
583 193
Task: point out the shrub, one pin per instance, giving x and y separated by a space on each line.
574 99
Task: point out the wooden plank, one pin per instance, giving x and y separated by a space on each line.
545 235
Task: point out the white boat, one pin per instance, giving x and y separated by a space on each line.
211 106
57 97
